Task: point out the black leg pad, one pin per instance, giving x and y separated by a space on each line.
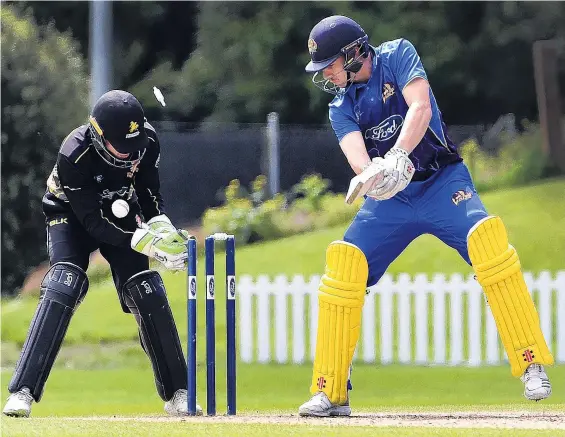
62 289
145 296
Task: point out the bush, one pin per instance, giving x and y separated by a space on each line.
251 216
517 162
44 96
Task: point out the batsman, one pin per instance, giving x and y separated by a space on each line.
414 182
114 157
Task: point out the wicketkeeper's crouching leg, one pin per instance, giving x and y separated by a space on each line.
498 270
145 297
61 292
340 298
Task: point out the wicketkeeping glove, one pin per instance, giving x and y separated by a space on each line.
167 246
161 224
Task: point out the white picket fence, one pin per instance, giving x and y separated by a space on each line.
445 321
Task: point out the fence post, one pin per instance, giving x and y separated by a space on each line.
297 288
263 287
280 288
421 287
385 291
474 292
313 302
455 287
438 288
245 288
404 317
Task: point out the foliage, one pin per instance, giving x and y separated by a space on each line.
251 216
518 161
250 56
44 96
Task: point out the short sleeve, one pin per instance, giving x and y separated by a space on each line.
342 123
406 64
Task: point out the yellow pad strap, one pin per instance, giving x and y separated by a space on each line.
498 270
341 297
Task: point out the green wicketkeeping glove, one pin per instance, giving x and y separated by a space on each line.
168 246
161 223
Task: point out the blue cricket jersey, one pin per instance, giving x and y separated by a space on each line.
377 109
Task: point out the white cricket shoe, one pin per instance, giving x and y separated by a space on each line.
320 406
536 383
19 403
178 404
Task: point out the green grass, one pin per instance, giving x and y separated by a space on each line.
131 393
53 428
282 388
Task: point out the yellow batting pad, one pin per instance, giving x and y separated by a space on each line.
341 297
498 270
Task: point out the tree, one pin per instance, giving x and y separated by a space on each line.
44 96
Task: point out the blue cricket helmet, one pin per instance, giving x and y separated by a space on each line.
332 37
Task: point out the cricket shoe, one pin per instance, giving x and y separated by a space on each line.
320 406
19 403
178 404
536 383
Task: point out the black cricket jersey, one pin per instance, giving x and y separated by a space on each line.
84 184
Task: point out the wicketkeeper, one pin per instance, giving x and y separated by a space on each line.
114 157
391 131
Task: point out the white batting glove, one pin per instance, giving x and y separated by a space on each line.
372 175
398 174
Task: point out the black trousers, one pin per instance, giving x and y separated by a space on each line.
68 241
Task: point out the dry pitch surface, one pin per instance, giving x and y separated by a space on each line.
486 419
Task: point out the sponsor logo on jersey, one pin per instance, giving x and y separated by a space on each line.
107 194
386 129
58 221
388 91
460 196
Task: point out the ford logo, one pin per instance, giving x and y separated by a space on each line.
385 130
232 287
211 287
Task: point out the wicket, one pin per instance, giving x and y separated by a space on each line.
210 324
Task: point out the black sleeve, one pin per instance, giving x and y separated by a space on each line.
83 198
147 183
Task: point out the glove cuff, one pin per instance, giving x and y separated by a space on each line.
140 241
397 151
159 218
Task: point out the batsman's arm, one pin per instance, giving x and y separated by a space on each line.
412 79
417 121
353 147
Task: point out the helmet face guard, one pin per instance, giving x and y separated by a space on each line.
99 143
352 64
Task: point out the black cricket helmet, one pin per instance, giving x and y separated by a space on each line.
331 38
118 117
